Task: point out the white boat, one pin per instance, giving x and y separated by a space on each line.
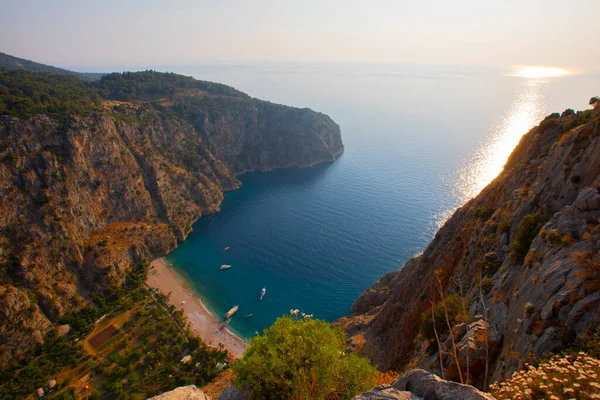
263 292
225 266
230 313
226 248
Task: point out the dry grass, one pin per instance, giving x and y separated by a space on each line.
589 273
214 389
385 378
571 377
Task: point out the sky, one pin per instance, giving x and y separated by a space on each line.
90 33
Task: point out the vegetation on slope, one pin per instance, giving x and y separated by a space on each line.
11 62
524 253
302 358
24 94
140 358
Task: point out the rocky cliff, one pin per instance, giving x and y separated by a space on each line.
85 196
524 254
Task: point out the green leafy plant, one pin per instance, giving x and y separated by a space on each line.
529 227
454 306
302 358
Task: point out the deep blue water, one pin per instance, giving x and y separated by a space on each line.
418 140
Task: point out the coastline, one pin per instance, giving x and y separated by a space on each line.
202 321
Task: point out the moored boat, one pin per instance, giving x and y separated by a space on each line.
230 313
225 266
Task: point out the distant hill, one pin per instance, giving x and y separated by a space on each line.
11 62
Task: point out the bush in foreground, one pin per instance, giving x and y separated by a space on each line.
570 377
302 358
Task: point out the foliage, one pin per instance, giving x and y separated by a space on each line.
486 285
129 86
529 227
528 308
82 321
303 359
24 94
454 307
550 121
504 226
484 213
55 355
594 100
147 357
578 119
10 62
570 377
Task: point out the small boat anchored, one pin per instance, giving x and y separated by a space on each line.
230 313
225 266
263 292
226 248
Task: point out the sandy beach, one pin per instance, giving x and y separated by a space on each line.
206 325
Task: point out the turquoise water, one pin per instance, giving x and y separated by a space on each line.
419 142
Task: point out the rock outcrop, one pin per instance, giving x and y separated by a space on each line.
190 392
83 198
420 384
524 254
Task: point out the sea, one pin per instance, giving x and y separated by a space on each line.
420 141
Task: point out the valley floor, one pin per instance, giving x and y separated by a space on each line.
202 321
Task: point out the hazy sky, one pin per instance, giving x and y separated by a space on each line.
88 33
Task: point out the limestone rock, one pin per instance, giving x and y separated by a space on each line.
386 393
588 199
84 199
429 386
190 392
233 393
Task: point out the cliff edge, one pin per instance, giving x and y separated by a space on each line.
97 178
522 257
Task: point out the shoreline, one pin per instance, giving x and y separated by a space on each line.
202 321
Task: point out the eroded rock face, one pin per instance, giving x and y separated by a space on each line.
233 393
85 198
431 387
537 301
386 393
588 199
190 392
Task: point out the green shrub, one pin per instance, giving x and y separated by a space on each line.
298 358
529 227
582 117
504 226
454 306
549 121
484 213
528 308
486 285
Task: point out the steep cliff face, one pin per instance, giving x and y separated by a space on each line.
85 197
529 240
261 136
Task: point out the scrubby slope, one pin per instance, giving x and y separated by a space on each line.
529 239
87 192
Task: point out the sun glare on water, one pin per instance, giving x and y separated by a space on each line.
525 111
541 72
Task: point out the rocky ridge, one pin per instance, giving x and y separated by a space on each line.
84 198
524 254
